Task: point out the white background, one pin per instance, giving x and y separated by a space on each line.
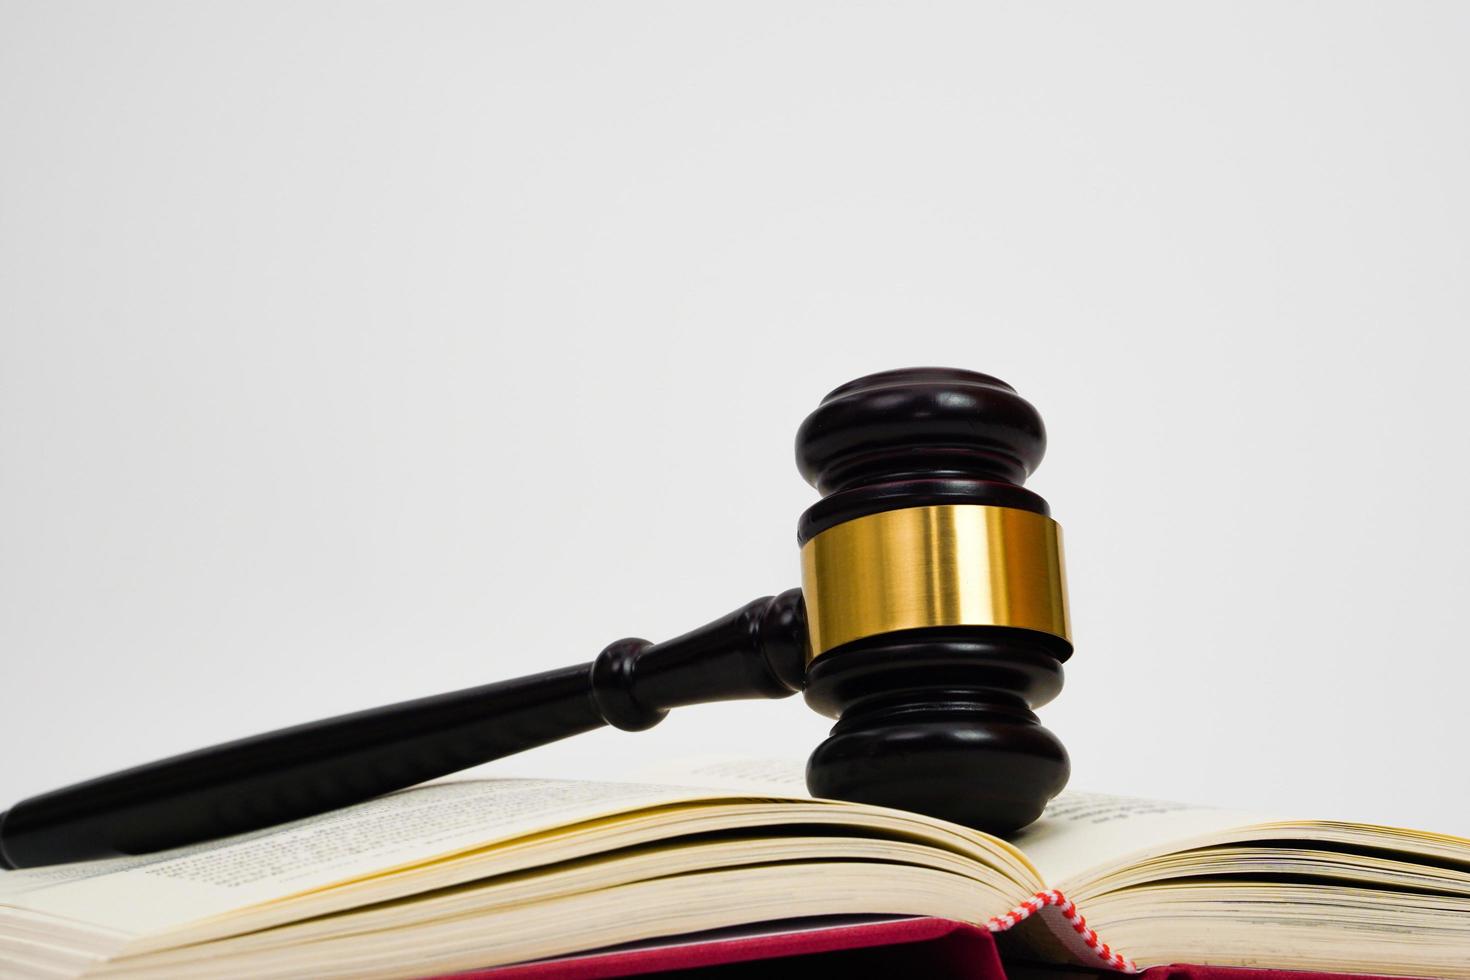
351 353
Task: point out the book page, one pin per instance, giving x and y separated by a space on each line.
786 778
1078 831
138 895
768 776
1081 832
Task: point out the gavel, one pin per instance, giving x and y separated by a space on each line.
931 622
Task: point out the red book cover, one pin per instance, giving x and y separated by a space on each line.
935 949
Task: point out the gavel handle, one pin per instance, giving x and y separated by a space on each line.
758 651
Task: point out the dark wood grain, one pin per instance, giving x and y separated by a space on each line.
941 721
756 651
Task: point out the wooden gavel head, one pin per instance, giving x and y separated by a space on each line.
935 598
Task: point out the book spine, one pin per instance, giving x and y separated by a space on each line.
1068 911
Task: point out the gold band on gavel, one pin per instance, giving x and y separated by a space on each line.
946 565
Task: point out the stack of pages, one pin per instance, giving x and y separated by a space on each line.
463 874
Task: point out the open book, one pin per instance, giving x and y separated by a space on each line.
462 874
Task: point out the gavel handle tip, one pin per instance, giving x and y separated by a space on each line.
5 862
